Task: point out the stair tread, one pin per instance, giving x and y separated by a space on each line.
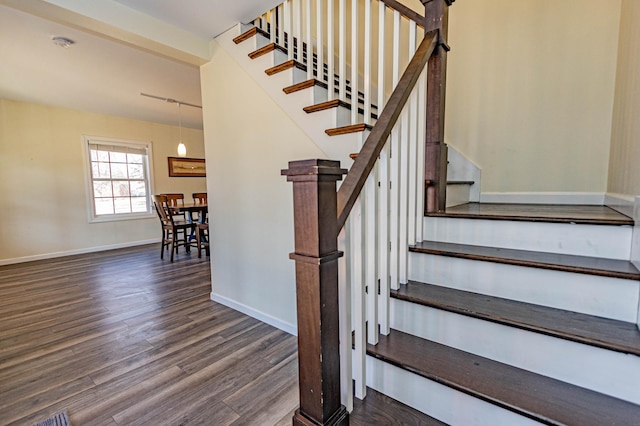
584 214
249 33
379 409
353 128
266 49
304 85
538 397
559 262
285 66
333 103
605 333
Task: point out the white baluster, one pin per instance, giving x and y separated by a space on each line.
371 276
319 41
422 125
357 283
382 10
288 28
330 50
307 39
404 195
344 302
272 25
342 50
354 61
297 29
383 238
280 24
413 144
366 85
394 163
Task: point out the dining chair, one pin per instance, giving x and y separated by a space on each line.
176 200
202 238
171 228
199 197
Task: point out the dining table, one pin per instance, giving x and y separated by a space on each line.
189 208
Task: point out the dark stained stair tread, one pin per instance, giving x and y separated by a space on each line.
266 49
334 103
379 409
587 329
538 397
354 128
304 85
582 214
285 66
249 33
558 262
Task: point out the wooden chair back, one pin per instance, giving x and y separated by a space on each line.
199 197
175 200
161 204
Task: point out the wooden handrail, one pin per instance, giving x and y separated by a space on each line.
405 11
357 176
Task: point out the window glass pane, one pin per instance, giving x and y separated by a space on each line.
121 188
104 206
138 189
102 189
122 204
100 170
136 171
118 157
102 155
138 204
94 155
118 171
134 158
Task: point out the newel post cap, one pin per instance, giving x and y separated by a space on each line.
313 170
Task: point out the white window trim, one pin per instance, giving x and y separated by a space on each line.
86 140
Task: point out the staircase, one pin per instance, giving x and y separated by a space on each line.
507 315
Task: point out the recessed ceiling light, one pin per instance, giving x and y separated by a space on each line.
62 41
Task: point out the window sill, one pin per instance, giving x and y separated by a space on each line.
119 217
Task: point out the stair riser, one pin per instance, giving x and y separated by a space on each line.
287 77
612 242
457 194
441 402
601 370
594 295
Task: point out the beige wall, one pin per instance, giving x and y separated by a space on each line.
530 91
248 140
624 166
42 179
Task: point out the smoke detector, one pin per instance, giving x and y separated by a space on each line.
62 41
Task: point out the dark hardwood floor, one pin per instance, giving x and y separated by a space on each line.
121 337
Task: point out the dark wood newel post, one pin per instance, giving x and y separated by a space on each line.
316 256
436 18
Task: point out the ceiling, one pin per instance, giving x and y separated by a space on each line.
102 74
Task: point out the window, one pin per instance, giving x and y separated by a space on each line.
119 179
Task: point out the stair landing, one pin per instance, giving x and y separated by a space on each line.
583 214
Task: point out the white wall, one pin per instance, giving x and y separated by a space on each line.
248 140
530 91
42 180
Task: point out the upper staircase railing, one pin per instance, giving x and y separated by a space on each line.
343 301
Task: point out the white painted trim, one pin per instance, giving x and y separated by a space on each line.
247 310
588 198
75 252
619 202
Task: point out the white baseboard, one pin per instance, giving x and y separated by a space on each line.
247 310
620 202
588 198
53 255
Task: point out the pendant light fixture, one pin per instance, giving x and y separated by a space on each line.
182 149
